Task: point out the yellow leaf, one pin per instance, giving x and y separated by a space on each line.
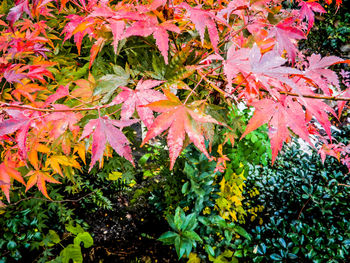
80 148
193 258
42 148
57 160
115 176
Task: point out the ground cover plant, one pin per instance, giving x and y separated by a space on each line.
210 83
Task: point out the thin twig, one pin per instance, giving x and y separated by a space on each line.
8 105
303 208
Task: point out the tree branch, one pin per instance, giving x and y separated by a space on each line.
8 105
320 97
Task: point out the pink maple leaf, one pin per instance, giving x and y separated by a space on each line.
280 115
17 122
286 34
150 26
307 11
318 72
134 99
21 6
268 70
203 19
103 130
61 92
63 120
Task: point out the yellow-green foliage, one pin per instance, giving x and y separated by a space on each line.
229 204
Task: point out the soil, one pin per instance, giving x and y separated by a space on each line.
128 233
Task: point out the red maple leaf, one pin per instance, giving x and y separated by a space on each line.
79 27
142 95
180 119
103 130
280 115
8 171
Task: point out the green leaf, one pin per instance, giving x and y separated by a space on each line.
85 238
186 247
178 218
192 235
276 257
108 84
11 245
75 230
184 188
292 256
242 232
210 250
282 242
71 252
168 237
190 222
178 246
53 237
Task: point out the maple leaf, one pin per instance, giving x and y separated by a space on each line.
150 26
203 19
103 130
237 61
268 70
307 11
63 120
319 110
11 76
317 71
286 34
180 119
8 171
142 95
341 104
61 92
118 28
17 122
108 84
280 115
57 160
79 27
17 11
39 178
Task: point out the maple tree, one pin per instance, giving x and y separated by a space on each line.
56 109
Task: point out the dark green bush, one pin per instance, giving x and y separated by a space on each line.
307 214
